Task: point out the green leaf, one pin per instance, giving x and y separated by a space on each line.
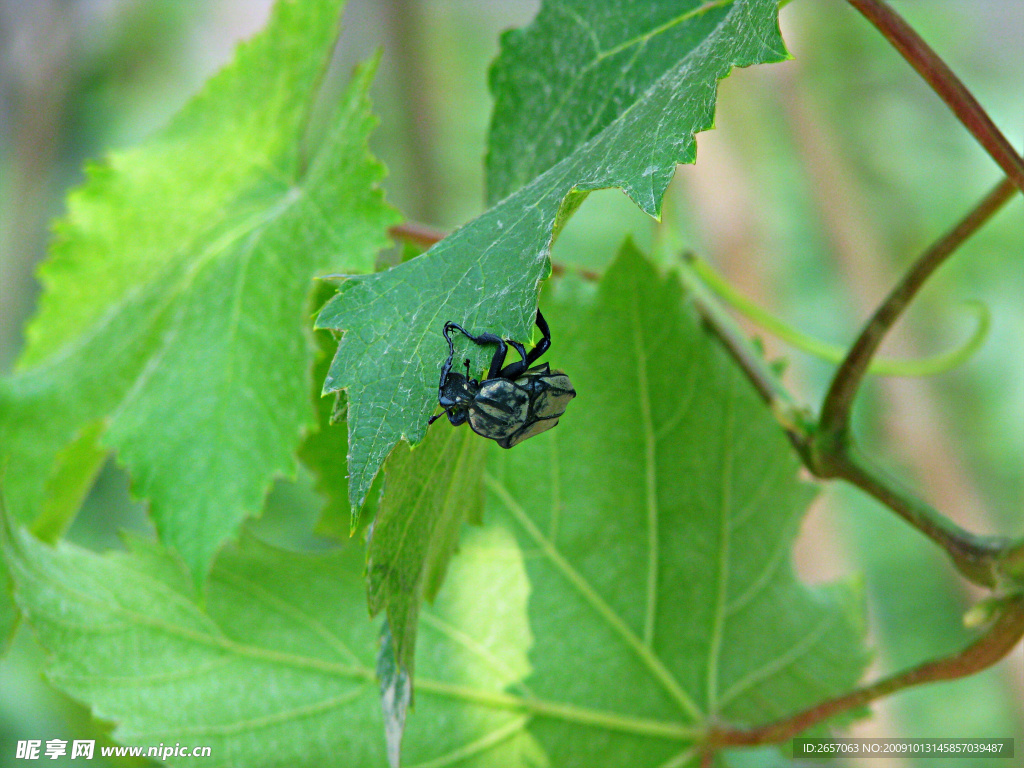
430 491
8 610
325 449
278 668
658 521
175 301
633 81
614 95
325 453
646 539
78 464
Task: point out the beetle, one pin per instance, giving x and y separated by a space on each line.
514 402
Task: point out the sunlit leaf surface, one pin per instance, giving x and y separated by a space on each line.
175 311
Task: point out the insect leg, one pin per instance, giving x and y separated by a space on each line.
513 370
499 356
483 338
447 367
543 345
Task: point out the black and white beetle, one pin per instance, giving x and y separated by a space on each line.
512 403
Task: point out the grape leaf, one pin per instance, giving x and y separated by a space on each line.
651 585
175 302
657 521
645 72
614 105
278 668
430 492
324 450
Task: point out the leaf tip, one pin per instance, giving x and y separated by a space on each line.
395 695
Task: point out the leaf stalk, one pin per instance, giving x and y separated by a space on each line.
977 558
794 421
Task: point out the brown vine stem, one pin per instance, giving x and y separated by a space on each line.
419 234
1000 638
833 453
835 412
424 236
979 559
946 84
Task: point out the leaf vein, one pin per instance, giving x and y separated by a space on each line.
644 653
764 671
266 721
482 744
724 547
650 468
276 603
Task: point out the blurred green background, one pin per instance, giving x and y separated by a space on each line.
824 177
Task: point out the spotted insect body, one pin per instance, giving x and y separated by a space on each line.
512 411
513 403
